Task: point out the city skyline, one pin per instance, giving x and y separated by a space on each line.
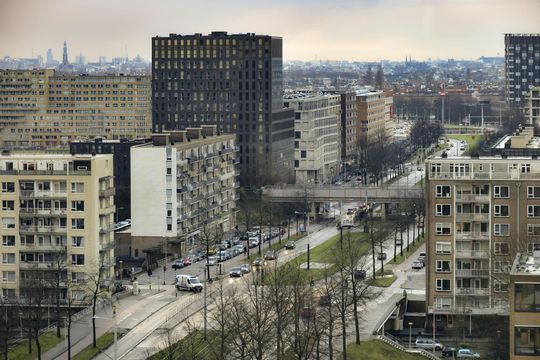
368 30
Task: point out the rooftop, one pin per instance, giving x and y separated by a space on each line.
526 264
45 156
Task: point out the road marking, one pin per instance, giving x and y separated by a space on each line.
125 316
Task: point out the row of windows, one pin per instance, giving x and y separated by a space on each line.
498 210
498 229
9 258
9 240
9 187
445 285
499 248
76 277
443 266
533 192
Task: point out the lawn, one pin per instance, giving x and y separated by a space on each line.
384 282
377 350
471 140
412 248
193 346
103 342
47 341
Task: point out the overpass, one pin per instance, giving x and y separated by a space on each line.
326 193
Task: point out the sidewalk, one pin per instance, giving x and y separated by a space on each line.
81 330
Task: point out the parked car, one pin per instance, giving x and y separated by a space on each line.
467 353
425 343
236 272
187 261
270 255
422 256
290 245
381 256
422 261
211 261
359 274
417 265
449 352
235 240
245 268
177 265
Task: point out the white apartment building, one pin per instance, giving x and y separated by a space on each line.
532 106
317 140
57 215
179 181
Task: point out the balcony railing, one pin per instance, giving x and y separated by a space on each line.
472 197
45 172
36 265
42 247
472 273
484 217
42 229
107 192
493 175
472 236
107 210
472 291
472 254
106 246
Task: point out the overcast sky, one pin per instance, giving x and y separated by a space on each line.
312 29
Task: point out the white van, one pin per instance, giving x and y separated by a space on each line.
188 283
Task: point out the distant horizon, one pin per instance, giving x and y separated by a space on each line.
351 30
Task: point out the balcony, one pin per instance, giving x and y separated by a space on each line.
107 210
50 194
105 229
472 236
478 217
26 194
472 273
47 172
472 254
107 192
42 247
106 246
473 291
45 265
479 198
42 229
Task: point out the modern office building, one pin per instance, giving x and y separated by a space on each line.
522 65
234 81
180 182
41 109
481 212
317 150
348 123
525 306
120 149
57 216
372 117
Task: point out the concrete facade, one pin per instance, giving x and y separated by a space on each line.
57 216
372 117
522 64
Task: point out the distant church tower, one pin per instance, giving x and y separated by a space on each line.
65 61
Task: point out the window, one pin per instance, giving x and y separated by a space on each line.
527 340
502 267
533 229
77 223
443 266
8 293
501 248
8 223
8 187
533 211
297 135
501 229
442 191
8 258
303 154
77 277
501 211
8 240
525 168
77 187
77 241
77 205
501 192
533 191
500 286
443 229
443 303
8 205
533 247
77 259
443 248
296 163
527 297
442 210
8 276
442 285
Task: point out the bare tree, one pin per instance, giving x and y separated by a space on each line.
7 324
36 295
58 283
96 291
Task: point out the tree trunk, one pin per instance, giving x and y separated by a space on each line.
38 345
408 237
69 333
94 340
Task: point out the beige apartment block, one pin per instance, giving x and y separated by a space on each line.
481 212
525 306
57 215
41 109
317 136
180 182
373 111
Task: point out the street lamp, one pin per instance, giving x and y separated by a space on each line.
410 334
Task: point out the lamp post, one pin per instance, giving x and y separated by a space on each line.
410 334
121 270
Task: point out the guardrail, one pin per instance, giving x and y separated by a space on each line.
392 341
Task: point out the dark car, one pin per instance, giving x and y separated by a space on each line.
449 352
290 245
257 262
360 274
270 255
381 256
236 272
178 265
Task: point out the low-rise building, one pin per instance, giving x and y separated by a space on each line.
317 136
525 306
56 220
181 182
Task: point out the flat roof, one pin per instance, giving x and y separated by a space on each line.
527 264
41 156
